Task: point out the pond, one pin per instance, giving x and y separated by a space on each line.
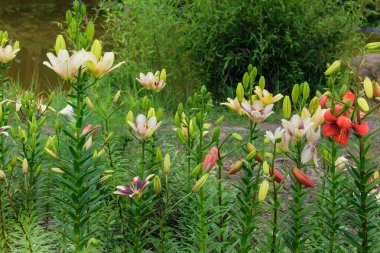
34 24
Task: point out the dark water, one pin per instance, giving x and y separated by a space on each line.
34 24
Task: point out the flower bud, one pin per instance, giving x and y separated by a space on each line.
109 138
286 107
263 190
167 164
266 168
101 153
305 91
90 31
368 87
333 68
163 75
60 44
376 175
16 45
376 90
240 92
145 103
196 170
151 113
200 183
277 175
25 166
219 121
216 134
235 168
372 46
69 16
51 153
246 80
89 103
251 155
252 75
363 104
159 114
295 93
117 96
313 105
302 178
2 175
129 118
58 170
157 185
181 137
94 242
158 155
237 136
96 49
262 82
250 147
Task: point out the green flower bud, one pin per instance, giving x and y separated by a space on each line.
167 164
246 81
219 121
262 82
216 134
159 114
200 183
90 31
163 75
305 91
240 92
157 185
333 68
295 93
286 107
60 44
96 49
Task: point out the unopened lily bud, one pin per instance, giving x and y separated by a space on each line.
163 75
363 104
235 168
196 170
251 155
88 143
250 147
58 170
96 49
145 103
158 155
277 175
262 82
60 44
216 134
372 46
286 107
237 136
14 161
302 178
368 88
39 170
167 164
246 80
333 68
181 137
200 183
2 175
25 166
117 96
313 105
305 91
177 119
219 121
151 113
90 31
109 138
295 93
129 118
69 16
240 92
157 185
101 153
252 75
266 168
159 114
16 45
89 103
263 190
51 153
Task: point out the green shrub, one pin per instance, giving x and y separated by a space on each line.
211 41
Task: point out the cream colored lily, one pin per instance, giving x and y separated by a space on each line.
143 128
66 66
234 105
8 53
103 65
266 97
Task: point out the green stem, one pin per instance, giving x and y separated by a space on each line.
142 159
275 204
332 222
297 194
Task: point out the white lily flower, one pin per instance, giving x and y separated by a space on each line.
67 66
68 111
7 53
297 127
144 128
275 137
309 152
103 65
151 81
257 112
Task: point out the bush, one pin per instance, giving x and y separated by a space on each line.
290 41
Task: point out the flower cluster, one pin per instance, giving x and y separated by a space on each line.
7 52
155 82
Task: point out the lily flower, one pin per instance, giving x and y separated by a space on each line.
275 137
8 53
210 159
103 65
144 128
341 162
256 111
309 152
266 97
135 189
339 125
68 111
234 105
297 127
66 66
151 81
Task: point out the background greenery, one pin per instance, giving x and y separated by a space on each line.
212 41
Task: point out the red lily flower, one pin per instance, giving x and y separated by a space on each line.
210 159
339 126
